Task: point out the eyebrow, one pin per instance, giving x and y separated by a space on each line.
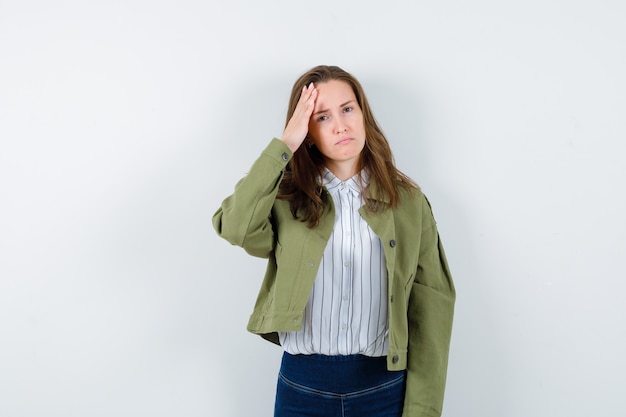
325 110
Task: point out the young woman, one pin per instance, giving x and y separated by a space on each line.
357 288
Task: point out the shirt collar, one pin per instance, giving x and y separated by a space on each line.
355 184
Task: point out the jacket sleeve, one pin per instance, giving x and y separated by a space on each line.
244 219
430 314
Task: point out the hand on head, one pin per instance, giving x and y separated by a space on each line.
298 125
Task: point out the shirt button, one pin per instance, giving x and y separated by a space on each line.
395 359
392 243
285 156
345 298
346 264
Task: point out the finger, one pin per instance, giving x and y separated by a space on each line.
311 101
309 95
307 90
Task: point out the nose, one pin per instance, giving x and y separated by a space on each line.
340 128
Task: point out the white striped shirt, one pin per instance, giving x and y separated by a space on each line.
347 310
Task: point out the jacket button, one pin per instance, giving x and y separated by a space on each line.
391 299
392 243
284 156
395 359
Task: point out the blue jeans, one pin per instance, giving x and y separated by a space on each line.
338 386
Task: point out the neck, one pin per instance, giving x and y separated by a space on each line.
343 170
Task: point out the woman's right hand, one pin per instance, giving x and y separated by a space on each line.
298 125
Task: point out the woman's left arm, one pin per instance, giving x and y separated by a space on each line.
430 315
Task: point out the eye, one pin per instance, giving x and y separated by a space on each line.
348 109
322 118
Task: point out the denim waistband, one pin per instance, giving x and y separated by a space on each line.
339 374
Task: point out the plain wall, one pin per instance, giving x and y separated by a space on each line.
123 125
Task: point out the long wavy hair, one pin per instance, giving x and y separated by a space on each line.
301 182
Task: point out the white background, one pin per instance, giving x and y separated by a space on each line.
123 124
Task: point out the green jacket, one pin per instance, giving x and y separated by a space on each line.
421 291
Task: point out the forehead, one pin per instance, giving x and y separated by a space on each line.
333 92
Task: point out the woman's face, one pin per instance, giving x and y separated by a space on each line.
336 125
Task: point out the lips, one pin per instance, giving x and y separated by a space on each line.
344 141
